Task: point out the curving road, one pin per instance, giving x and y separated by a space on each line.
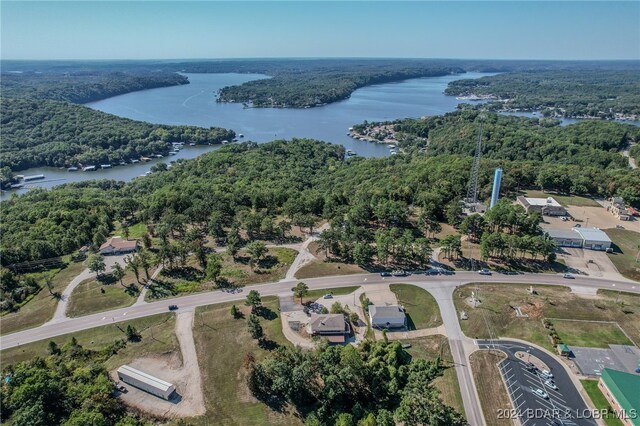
441 287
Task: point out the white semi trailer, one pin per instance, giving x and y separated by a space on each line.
145 382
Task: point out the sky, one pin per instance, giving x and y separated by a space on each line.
245 29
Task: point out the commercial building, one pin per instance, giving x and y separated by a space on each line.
391 316
588 238
617 208
333 327
116 245
145 382
622 390
545 206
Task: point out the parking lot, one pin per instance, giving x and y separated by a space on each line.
561 406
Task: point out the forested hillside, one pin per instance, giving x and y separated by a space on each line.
566 93
249 187
40 132
319 87
588 143
83 86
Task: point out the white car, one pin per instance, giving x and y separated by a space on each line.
568 276
541 393
484 272
328 296
547 373
550 384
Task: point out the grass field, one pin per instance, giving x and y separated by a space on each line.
157 337
316 294
549 302
92 296
430 347
601 403
565 200
135 231
190 279
324 268
590 334
491 388
222 344
624 258
421 308
42 306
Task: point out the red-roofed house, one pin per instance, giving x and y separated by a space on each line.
116 245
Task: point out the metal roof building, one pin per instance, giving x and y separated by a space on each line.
392 316
146 382
588 238
622 391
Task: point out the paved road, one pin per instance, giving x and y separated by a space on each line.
564 405
441 286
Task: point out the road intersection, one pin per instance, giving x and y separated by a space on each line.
440 286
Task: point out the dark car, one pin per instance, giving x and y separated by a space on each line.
173 307
385 274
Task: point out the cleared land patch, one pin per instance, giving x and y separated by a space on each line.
93 296
496 311
590 334
626 255
491 388
421 307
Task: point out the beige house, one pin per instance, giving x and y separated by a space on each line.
544 206
116 245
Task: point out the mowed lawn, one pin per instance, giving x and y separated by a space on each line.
157 331
495 312
565 200
92 296
601 403
421 308
590 334
491 389
223 344
42 306
624 259
324 267
314 295
430 347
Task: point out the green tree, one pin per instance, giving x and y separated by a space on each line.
256 250
133 264
132 334
118 273
235 313
96 264
300 290
254 300
254 327
214 267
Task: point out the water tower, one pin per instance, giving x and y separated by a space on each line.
495 193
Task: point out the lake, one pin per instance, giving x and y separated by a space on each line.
195 104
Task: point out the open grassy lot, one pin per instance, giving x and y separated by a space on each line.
565 200
135 231
491 388
430 347
223 344
549 302
92 296
191 279
601 403
325 267
316 294
590 334
42 306
157 333
626 251
421 308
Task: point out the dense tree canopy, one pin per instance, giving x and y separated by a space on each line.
591 93
40 132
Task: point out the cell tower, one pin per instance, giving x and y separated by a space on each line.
472 192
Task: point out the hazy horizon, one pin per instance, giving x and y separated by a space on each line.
167 30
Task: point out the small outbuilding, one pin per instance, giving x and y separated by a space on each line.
391 316
563 350
145 382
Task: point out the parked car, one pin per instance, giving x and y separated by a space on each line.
122 389
541 393
385 274
550 384
547 373
173 307
328 296
568 276
619 226
577 225
399 273
484 272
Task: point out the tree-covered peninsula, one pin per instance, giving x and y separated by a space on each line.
563 93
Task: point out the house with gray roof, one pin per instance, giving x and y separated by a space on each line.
333 327
390 316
